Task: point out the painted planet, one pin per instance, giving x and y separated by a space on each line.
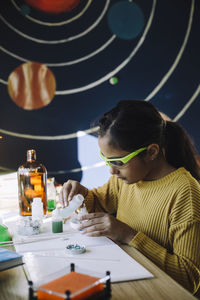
53 6
126 20
31 85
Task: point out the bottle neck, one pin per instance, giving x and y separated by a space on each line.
31 155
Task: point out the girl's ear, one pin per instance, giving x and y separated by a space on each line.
153 151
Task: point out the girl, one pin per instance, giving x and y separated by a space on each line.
152 199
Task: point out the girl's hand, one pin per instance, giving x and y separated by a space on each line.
69 190
103 224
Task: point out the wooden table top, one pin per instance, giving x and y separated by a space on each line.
13 284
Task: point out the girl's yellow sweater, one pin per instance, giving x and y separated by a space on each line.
166 215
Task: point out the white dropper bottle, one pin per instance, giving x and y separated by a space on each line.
74 204
37 209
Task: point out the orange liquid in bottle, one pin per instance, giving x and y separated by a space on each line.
32 182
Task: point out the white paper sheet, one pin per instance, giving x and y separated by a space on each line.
46 257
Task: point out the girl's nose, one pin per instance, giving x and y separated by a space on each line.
114 170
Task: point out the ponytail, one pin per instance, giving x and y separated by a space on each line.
179 149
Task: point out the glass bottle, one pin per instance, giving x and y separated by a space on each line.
32 183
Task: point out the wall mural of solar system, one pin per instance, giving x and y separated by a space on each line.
63 63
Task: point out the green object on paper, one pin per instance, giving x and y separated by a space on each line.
4 233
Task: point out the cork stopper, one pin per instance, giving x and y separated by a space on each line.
31 155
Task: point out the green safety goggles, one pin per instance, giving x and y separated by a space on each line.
120 162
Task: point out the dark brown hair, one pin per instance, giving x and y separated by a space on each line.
133 124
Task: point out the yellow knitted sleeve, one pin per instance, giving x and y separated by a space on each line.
104 198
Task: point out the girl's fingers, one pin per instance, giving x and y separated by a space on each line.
91 216
66 188
93 228
64 193
92 224
69 190
74 189
95 233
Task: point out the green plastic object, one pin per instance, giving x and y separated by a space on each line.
4 233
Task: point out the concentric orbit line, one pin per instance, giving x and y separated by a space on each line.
165 78
84 168
98 20
194 96
50 138
67 63
3 81
179 55
94 129
100 164
86 57
76 170
6 169
108 76
188 104
121 66
74 135
57 23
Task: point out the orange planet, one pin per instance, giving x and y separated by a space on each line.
31 85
